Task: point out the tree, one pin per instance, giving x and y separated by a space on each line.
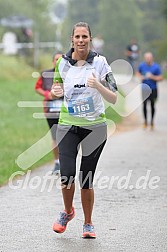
119 22
164 8
77 10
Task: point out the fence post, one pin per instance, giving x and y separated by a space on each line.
36 49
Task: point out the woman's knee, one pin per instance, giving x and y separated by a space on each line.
67 180
67 171
86 179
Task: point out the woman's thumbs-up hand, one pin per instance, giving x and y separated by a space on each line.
57 90
93 82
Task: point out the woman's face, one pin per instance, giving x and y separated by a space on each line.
81 40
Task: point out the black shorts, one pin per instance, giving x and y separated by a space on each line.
91 140
53 122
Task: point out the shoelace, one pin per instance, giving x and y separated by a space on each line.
88 228
63 219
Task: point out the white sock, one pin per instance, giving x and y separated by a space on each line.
56 161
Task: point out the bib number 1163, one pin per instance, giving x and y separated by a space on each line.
81 106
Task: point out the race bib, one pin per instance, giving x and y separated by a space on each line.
81 107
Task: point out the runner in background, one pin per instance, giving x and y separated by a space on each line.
51 107
149 72
132 53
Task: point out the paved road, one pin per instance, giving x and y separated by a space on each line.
129 215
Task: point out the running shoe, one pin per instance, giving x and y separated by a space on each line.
152 126
60 225
56 169
88 231
144 125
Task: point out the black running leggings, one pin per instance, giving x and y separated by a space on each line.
91 140
152 98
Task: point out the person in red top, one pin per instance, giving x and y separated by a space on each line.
51 107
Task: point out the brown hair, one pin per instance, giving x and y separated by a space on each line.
81 24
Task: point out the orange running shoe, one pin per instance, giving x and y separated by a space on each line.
145 125
60 225
88 231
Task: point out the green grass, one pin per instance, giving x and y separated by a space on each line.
165 74
18 129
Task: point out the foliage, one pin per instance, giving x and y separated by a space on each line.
116 20
118 25
162 43
152 23
164 8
